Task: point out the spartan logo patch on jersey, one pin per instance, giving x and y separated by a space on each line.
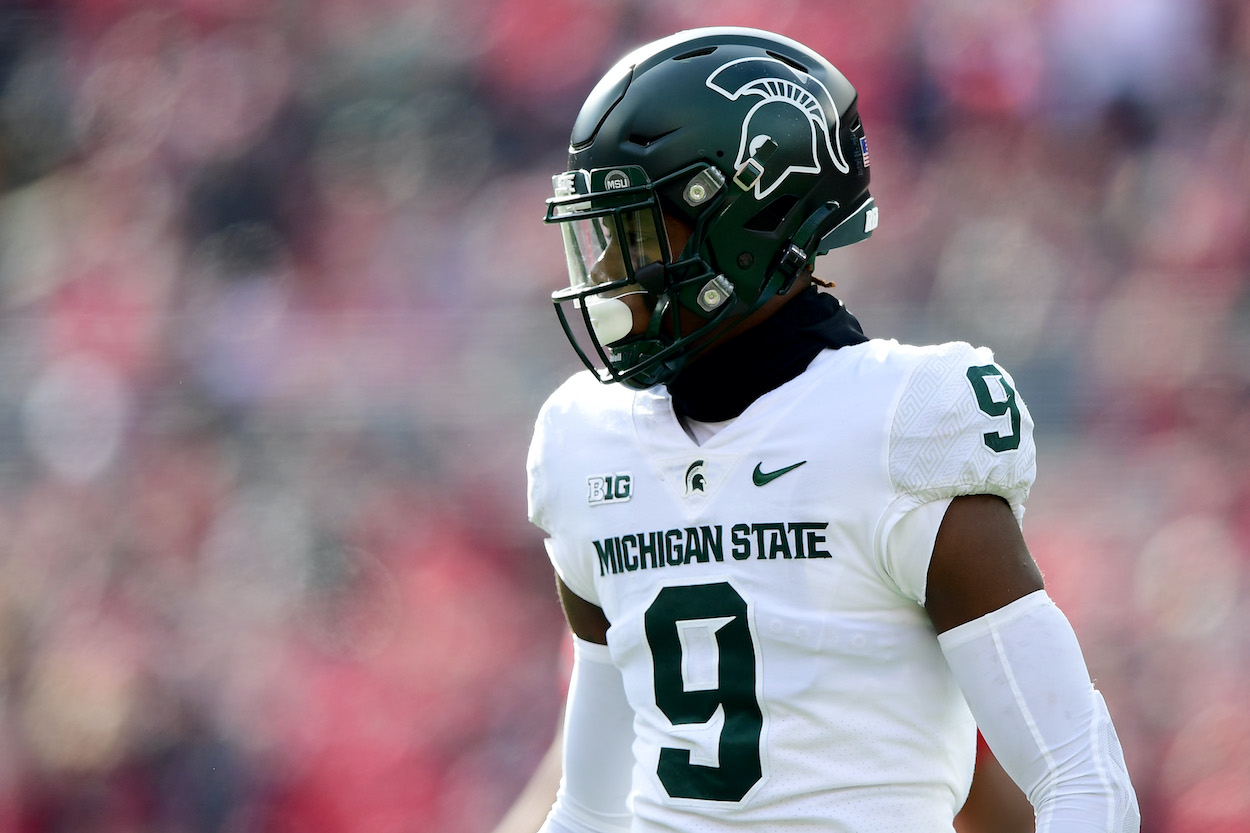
610 488
785 130
696 480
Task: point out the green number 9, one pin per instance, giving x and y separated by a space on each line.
720 610
996 403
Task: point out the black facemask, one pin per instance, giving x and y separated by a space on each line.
722 383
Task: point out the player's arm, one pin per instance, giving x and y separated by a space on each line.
597 755
980 562
586 620
1021 669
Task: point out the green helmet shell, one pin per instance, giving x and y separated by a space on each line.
749 138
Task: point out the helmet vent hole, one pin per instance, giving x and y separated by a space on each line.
645 141
786 59
772 215
695 53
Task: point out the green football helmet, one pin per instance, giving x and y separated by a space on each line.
748 142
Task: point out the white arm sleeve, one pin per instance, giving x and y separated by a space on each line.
1023 674
598 748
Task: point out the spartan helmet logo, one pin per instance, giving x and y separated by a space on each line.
793 115
695 479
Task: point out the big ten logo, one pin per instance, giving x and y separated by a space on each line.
611 488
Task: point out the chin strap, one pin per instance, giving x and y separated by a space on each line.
800 250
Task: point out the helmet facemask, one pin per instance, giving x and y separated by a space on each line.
627 286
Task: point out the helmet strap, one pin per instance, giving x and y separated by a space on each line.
753 167
799 251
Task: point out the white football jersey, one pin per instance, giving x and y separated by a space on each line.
773 643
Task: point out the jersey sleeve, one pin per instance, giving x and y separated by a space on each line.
908 546
546 494
960 427
538 492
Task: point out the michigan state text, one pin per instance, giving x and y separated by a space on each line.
704 544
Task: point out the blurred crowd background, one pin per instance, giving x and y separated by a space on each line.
274 327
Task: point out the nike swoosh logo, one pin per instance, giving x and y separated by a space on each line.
762 478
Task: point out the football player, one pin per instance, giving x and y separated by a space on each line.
790 555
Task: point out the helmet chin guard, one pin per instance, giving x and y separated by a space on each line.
748 142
